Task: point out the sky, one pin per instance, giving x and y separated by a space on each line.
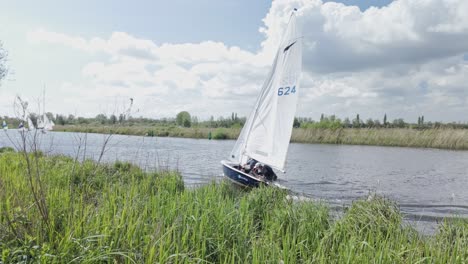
403 58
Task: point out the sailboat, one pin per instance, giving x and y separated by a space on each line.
30 124
4 125
45 124
23 108
266 133
48 124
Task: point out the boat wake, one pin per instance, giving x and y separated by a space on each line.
278 185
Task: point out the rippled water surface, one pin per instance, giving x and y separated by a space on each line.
428 184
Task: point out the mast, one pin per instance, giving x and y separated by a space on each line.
43 105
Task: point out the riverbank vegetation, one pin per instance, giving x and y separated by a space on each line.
58 210
444 138
328 130
156 131
184 119
456 139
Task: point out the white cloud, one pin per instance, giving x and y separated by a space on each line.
405 59
42 35
139 68
347 39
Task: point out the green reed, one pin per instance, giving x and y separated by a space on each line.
118 213
443 138
156 131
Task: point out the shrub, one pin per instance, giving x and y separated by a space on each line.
6 149
220 133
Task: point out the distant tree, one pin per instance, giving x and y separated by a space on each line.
113 119
419 120
60 119
101 118
194 120
183 119
296 122
70 119
121 118
357 121
321 117
346 122
400 123
370 123
422 120
3 58
187 123
242 120
211 121
385 120
82 120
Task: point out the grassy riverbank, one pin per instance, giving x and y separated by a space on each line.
402 137
444 138
156 131
59 211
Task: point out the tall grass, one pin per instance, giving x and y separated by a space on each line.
118 213
404 137
156 131
444 138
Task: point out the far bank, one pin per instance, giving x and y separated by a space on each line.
443 138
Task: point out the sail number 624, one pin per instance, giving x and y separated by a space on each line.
286 90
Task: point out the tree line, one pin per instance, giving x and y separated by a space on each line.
185 119
333 122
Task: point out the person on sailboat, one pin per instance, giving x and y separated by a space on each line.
269 174
264 172
249 165
258 171
21 125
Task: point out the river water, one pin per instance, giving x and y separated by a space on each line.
428 184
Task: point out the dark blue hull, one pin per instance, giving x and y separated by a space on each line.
240 177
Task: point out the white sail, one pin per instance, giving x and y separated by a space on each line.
48 124
40 123
267 132
30 124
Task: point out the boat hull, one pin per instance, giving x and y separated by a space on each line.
239 177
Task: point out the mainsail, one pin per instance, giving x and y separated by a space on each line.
48 124
40 123
30 124
267 132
